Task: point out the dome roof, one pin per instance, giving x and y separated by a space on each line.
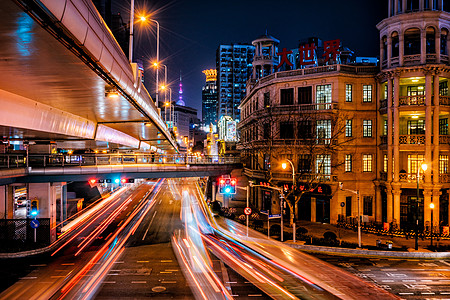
266 38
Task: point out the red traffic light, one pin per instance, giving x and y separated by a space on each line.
124 180
233 181
92 181
222 181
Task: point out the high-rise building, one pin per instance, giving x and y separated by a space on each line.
209 98
234 66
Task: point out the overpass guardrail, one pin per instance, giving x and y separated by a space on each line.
54 160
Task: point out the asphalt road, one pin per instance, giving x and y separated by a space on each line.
408 279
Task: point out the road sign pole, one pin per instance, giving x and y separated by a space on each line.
248 195
282 227
35 232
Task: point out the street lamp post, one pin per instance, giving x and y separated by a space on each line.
157 60
424 168
284 166
431 228
359 210
130 47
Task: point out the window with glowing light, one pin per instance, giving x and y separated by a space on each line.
443 164
367 162
367 93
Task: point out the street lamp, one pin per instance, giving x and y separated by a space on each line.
157 58
431 235
168 104
143 19
424 168
341 187
284 166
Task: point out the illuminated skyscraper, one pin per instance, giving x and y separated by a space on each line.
180 94
209 98
234 66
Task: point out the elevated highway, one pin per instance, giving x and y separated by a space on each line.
64 79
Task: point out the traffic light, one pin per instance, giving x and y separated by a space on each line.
233 183
221 185
127 180
34 207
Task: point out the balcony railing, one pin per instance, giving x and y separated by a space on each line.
383 103
412 139
411 60
394 62
444 100
411 177
412 100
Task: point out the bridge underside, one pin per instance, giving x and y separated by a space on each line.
48 93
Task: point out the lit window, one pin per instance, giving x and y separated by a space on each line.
367 93
367 162
348 93
348 163
348 128
443 164
323 164
323 131
323 93
367 128
414 161
385 163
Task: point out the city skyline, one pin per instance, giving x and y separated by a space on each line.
191 32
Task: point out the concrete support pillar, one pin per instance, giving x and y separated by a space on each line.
313 209
403 6
428 124
46 193
396 191
396 129
427 193
390 204
401 48
436 147
6 202
396 7
389 8
389 51
423 46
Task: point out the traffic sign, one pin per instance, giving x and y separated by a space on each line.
342 204
266 212
34 223
247 211
274 216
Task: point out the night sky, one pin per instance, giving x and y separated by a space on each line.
191 31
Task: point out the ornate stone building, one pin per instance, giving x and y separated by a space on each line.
369 127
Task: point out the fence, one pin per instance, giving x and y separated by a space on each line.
18 235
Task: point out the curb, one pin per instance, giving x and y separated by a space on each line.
26 253
359 252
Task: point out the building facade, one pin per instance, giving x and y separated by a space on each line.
234 66
209 98
369 127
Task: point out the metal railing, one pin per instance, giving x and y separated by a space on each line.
54 160
412 100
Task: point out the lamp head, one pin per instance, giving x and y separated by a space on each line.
432 205
284 166
143 18
424 166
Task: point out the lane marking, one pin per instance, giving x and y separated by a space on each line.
59 276
165 281
109 282
118 262
150 224
166 261
29 277
444 262
172 270
160 201
142 261
406 293
445 293
43 265
139 282
254 295
165 272
71 264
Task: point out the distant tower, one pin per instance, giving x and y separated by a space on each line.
180 93
266 57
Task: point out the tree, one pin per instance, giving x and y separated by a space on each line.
270 138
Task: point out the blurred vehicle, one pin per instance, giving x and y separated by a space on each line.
21 201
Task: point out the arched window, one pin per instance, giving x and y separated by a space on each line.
412 41
394 44
384 41
430 40
444 37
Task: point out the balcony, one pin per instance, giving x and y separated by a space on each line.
412 100
411 177
412 139
411 60
444 100
383 103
